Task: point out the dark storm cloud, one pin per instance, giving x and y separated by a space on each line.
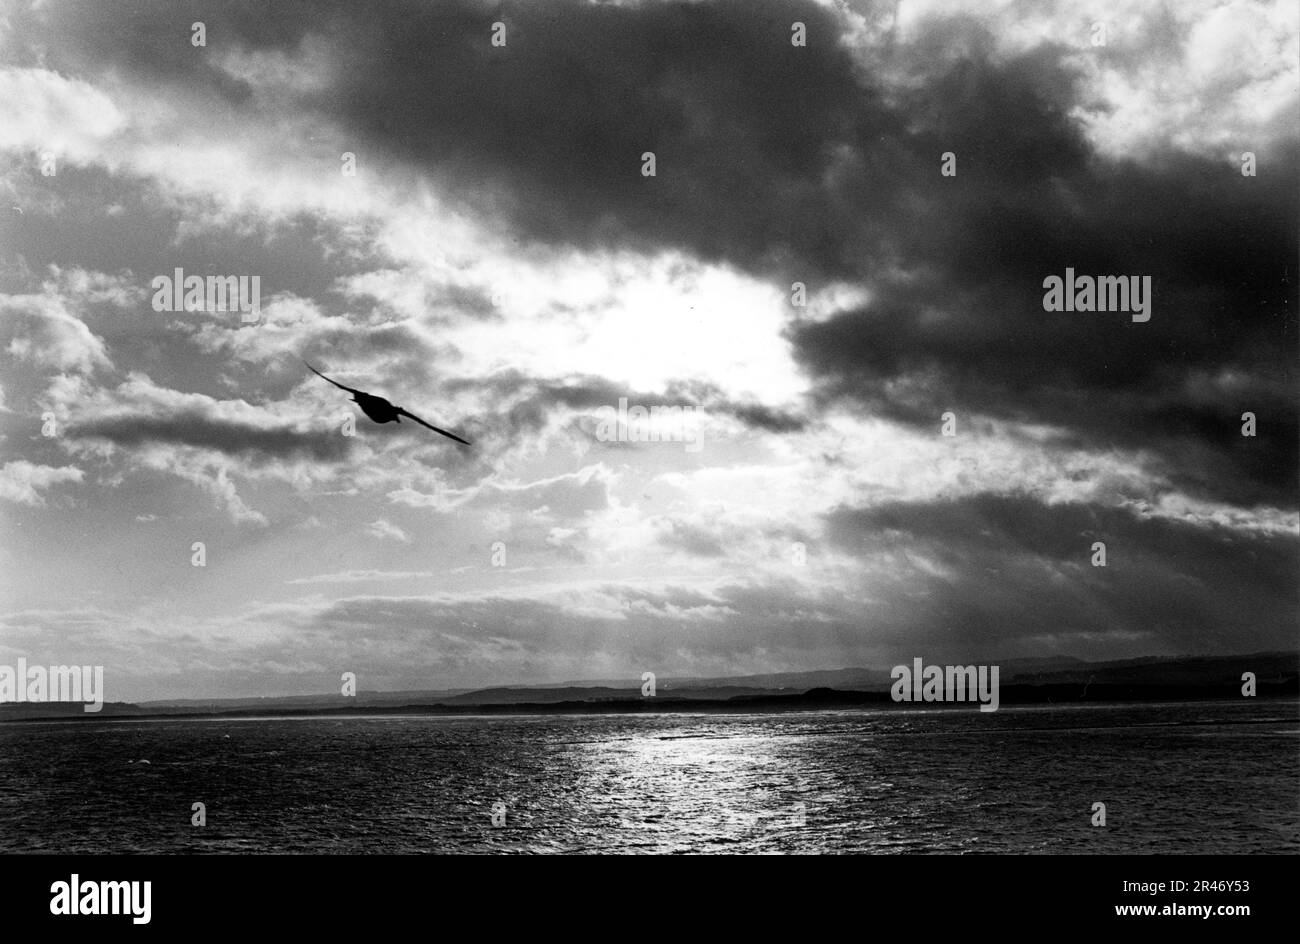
520 403
524 404
763 417
1012 568
200 429
550 130
806 164
762 148
973 336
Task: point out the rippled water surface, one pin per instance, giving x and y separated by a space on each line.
1218 777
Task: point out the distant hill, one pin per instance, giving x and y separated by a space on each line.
1204 670
299 701
858 679
1021 681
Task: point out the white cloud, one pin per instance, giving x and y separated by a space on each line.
384 529
42 111
23 481
364 576
39 329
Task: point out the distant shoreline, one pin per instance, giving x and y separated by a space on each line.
1071 695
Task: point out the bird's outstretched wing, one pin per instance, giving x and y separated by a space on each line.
431 426
334 382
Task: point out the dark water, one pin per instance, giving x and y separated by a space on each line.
1213 777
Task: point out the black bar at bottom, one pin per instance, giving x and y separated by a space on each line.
335 895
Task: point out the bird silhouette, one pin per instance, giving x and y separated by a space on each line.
380 410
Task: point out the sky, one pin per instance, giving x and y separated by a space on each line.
469 229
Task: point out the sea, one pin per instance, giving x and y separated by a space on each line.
1205 777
